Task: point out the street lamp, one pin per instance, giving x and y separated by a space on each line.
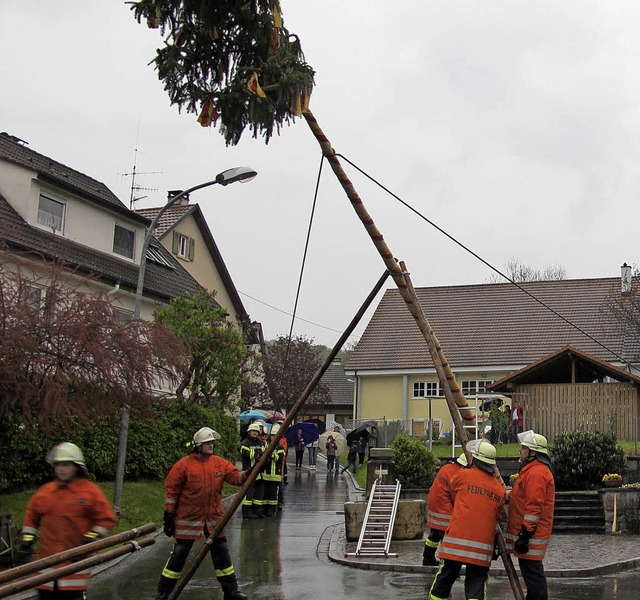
241 174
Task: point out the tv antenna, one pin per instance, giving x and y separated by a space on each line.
135 188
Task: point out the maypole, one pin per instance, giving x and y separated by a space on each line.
457 403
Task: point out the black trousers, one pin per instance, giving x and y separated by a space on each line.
475 581
178 558
534 578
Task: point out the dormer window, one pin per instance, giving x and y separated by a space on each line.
124 241
51 214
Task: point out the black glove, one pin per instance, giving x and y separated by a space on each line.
23 555
521 545
496 549
169 524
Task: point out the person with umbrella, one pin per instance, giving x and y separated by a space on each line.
299 447
352 457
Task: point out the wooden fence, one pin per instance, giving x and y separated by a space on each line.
554 408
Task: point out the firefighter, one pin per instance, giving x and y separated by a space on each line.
193 506
531 503
469 539
285 445
439 506
272 476
67 512
251 449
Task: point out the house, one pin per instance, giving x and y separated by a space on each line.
49 211
183 231
340 406
488 332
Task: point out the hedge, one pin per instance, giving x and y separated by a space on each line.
155 442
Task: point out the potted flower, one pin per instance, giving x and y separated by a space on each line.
612 480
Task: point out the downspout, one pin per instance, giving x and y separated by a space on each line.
405 400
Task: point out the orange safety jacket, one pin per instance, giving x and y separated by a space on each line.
531 504
63 513
439 501
193 491
478 499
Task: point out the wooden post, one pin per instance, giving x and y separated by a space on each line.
188 573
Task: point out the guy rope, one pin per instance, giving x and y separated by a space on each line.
457 403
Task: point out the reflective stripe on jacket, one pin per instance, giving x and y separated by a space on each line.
439 501
251 450
63 513
194 492
273 468
531 504
477 501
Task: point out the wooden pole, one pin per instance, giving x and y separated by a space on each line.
457 403
188 573
74 553
30 582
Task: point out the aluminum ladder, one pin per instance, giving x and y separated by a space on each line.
377 527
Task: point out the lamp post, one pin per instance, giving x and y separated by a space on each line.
242 174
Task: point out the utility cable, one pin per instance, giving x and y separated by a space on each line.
482 260
284 312
304 259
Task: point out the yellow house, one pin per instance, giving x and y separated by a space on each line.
487 332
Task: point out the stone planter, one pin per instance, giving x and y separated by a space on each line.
409 524
627 504
613 483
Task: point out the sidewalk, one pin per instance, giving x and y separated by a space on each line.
574 555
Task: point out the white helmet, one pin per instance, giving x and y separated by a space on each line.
66 452
483 450
274 429
255 427
533 441
206 434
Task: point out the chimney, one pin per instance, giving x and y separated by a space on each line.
625 280
173 193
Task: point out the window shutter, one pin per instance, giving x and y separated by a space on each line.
192 248
175 246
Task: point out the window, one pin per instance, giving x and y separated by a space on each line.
426 389
51 214
33 295
183 246
471 388
123 241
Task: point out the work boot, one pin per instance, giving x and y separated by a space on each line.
429 557
231 591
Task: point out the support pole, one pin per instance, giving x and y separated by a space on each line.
188 573
74 553
457 403
30 582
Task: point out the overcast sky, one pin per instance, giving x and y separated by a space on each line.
513 125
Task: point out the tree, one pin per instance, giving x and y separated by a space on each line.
65 353
217 349
232 61
518 272
289 367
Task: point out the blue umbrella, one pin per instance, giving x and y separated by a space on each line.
247 415
310 433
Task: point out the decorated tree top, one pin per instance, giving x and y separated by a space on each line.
230 61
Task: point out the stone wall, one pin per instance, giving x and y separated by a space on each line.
409 525
627 503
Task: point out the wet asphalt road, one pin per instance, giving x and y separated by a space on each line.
285 558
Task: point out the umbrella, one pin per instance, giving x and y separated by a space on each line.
310 433
331 426
247 415
339 439
361 430
273 416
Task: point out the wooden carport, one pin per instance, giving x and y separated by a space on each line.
571 389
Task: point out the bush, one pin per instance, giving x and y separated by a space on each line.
155 442
580 458
415 466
